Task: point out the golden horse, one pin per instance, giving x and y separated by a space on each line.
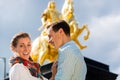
42 50
75 30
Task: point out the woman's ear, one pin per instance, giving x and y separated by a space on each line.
13 49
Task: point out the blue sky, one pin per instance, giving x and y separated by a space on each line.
101 16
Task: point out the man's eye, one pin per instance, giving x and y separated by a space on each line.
29 44
49 37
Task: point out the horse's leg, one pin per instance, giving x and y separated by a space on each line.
88 32
79 44
43 56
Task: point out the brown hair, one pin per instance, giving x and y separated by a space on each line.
16 37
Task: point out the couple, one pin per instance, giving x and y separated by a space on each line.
70 64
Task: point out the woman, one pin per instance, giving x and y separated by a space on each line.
22 66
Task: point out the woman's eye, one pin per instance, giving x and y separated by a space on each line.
21 45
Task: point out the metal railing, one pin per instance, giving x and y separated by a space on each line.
4 61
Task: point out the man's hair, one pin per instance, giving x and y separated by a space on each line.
61 24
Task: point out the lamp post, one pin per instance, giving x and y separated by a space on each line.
4 59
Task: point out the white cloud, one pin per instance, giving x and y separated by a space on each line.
104 41
118 71
114 55
118 78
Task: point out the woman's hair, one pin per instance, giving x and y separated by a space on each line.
16 37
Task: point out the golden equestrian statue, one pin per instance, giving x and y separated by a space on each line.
42 50
75 30
50 14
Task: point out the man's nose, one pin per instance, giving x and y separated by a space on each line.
50 40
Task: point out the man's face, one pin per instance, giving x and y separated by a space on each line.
54 38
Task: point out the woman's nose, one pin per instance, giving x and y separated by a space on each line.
26 48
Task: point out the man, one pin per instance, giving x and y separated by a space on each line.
71 64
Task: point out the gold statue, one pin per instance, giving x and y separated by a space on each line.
67 10
42 50
75 31
50 14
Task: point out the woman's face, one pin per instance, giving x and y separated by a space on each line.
23 48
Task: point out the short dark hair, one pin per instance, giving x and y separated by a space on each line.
60 24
